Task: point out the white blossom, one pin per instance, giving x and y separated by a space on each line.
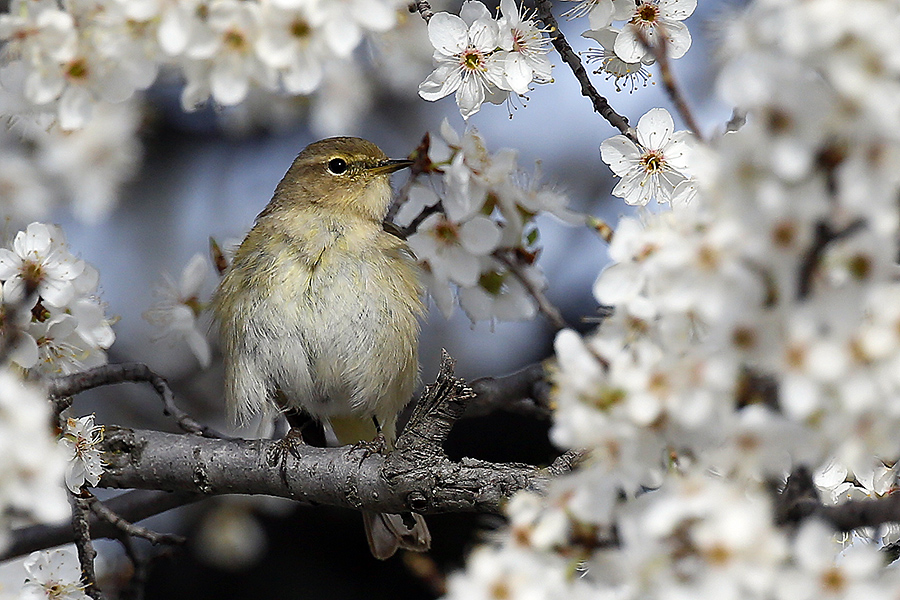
54 575
40 261
611 65
225 61
599 12
291 41
454 249
486 240
465 57
525 48
345 21
179 306
80 439
66 329
653 18
656 165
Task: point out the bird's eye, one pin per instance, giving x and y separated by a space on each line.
337 165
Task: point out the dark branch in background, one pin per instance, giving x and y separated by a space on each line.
601 104
69 385
132 506
81 510
824 235
661 54
525 392
799 500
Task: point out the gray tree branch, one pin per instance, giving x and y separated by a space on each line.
350 477
416 475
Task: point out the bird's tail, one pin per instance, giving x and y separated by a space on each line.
386 532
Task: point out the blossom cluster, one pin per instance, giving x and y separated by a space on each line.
647 24
42 166
64 328
484 239
75 54
480 58
32 465
754 332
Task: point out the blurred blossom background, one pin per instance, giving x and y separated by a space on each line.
143 187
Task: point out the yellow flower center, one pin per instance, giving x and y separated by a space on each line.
300 28
653 161
472 60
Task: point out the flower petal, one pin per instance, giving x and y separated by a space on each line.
655 128
620 153
469 96
516 72
628 46
480 235
448 33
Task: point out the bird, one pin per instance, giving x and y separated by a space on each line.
318 313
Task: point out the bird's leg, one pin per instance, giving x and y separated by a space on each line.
377 445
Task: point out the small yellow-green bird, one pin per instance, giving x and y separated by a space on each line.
319 310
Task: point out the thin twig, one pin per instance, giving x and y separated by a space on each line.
81 508
424 9
824 235
421 165
104 512
544 305
133 506
569 56
69 385
660 52
426 212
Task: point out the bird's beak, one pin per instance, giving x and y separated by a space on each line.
390 165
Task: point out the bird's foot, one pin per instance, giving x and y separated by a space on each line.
377 445
289 445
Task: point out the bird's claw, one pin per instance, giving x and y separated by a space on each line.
377 445
290 444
